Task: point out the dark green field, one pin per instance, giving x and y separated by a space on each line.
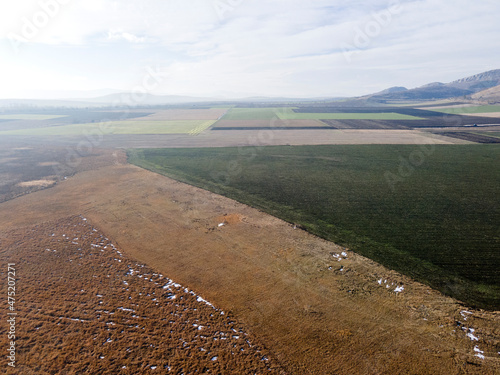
431 212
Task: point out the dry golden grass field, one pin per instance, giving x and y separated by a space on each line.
85 307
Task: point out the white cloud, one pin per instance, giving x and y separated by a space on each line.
118 34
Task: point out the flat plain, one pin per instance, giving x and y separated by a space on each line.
309 305
119 127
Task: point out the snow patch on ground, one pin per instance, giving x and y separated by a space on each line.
479 352
398 288
471 335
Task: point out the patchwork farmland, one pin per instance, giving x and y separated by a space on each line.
159 122
219 125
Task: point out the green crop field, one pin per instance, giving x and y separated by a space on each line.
431 212
29 117
462 110
121 127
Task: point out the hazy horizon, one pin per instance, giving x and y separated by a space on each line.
60 49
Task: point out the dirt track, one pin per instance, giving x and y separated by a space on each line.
285 285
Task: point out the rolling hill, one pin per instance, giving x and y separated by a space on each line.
491 95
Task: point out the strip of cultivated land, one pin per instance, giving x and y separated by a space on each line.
185 114
273 124
120 127
430 212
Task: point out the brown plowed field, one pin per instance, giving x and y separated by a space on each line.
315 307
471 137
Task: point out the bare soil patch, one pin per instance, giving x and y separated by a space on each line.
486 114
48 163
24 170
37 183
316 307
230 219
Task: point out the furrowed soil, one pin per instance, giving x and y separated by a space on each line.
472 137
308 305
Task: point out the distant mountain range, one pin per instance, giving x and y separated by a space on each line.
127 99
133 99
484 87
463 87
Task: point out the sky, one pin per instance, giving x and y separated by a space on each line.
238 48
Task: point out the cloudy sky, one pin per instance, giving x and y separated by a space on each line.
293 48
